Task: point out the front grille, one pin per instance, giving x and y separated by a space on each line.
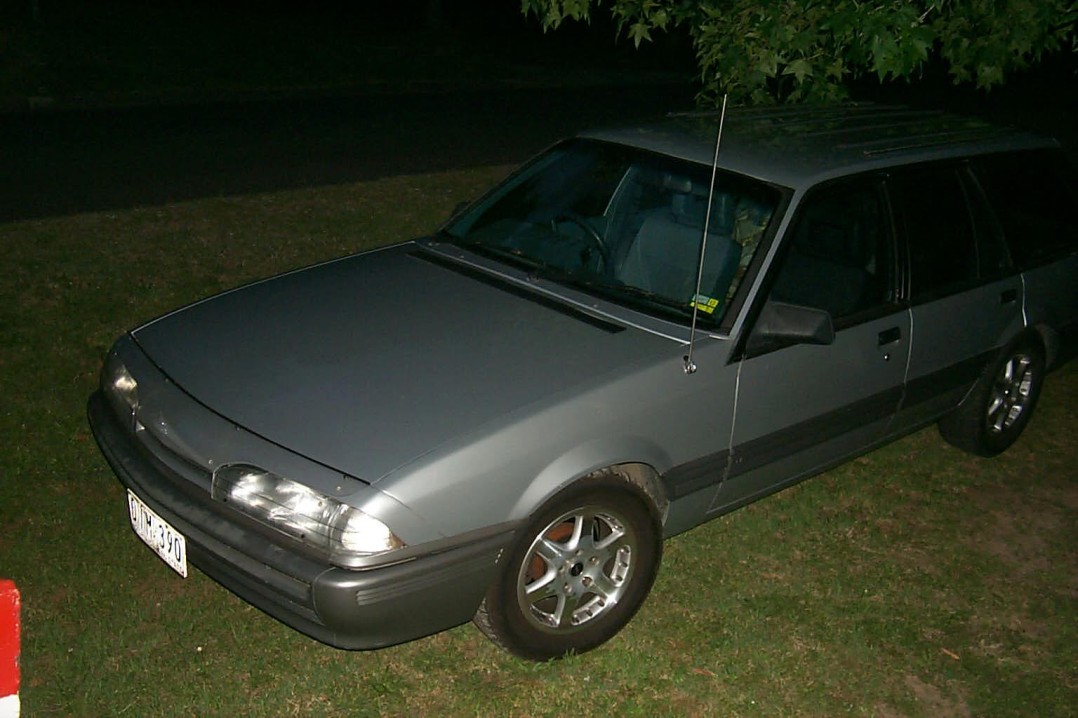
168 454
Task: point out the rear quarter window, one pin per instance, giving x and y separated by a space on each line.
1034 195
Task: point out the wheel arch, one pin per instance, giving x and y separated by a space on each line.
637 462
1048 338
966 426
1041 321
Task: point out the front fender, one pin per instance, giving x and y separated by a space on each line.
587 458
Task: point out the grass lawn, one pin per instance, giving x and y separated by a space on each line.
915 581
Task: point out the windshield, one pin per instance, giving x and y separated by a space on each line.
625 224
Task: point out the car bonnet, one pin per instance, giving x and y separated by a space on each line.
367 362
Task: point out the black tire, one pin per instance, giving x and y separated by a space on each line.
590 556
1000 405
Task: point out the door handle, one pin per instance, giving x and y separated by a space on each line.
889 336
1008 296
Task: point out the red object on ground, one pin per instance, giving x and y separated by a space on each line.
9 649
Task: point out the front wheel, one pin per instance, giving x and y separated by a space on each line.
1000 404
577 574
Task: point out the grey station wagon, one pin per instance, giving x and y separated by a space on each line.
629 336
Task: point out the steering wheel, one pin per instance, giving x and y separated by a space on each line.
589 232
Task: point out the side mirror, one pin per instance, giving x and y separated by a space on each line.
781 324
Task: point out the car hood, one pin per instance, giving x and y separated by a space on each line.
367 362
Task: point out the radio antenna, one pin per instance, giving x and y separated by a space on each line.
690 365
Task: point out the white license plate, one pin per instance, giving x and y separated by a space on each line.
169 543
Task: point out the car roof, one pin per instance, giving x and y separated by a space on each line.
799 146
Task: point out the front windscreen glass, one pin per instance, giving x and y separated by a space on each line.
624 224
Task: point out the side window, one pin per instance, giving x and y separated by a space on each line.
939 231
1033 194
839 255
993 259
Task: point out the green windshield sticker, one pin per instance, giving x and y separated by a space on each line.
705 304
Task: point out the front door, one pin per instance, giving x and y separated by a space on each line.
804 407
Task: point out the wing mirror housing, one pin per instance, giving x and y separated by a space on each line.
781 324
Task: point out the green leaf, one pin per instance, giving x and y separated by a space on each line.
800 69
639 32
743 46
988 76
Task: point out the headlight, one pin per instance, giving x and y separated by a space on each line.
342 532
120 387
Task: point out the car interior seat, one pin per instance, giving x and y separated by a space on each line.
665 253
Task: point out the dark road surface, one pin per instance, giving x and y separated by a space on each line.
67 161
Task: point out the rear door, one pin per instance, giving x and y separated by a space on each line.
966 302
1034 195
803 407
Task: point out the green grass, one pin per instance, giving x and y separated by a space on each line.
915 581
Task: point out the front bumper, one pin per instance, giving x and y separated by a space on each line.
346 609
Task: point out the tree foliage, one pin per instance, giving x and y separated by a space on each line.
793 50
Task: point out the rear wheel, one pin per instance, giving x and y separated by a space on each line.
577 574
1000 405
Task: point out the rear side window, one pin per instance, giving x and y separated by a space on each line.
1033 194
939 231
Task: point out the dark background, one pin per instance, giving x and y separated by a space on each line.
117 103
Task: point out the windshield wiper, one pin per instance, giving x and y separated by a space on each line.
647 298
627 294
494 251
650 297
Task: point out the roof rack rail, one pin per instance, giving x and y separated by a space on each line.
784 111
879 148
